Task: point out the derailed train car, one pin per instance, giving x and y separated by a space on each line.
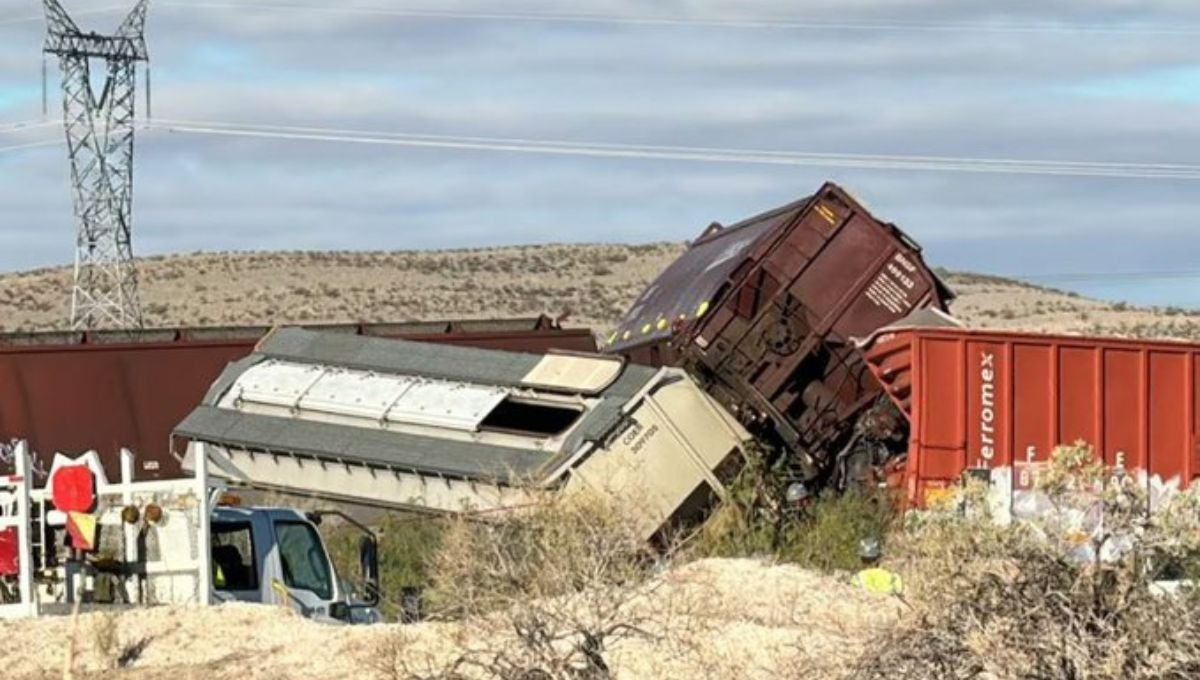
763 315
108 390
426 427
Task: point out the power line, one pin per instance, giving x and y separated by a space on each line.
694 154
778 23
677 153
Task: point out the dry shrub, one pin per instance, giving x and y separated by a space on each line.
546 593
1036 599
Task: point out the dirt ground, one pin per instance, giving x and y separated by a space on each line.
594 284
737 619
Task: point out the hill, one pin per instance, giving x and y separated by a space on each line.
595 284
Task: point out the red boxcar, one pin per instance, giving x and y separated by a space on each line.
982 399
762 314
71 392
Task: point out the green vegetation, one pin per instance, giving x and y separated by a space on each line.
822 536
407 544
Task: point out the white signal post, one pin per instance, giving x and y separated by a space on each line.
17 517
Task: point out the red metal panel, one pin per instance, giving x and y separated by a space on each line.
1123 408
1136 402
1194 403
1033 385
942 421
891 362
942 360
1079 375
1169 446
988 392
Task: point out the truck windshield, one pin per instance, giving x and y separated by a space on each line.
305 565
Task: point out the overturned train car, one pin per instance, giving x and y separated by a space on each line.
427 427
763 315
108 390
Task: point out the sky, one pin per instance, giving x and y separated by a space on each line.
1101 81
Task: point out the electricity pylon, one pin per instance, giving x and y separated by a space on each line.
99 127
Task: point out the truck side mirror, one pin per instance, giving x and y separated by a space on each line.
368 562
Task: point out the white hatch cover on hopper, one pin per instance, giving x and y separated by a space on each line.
365 395
574 373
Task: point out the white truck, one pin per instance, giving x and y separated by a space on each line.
80 541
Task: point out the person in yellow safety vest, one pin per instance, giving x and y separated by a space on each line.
873 578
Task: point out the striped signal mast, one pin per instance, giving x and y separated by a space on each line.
99 127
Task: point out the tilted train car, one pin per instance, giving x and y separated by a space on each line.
74 392
762 313
426 427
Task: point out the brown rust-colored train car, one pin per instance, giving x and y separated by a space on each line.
763 314
72 392
1000 401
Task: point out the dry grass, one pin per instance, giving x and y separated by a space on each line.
992 302
740 618
1066 595
595 283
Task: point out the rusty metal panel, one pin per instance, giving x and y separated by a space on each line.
1135 402
66 392
779 300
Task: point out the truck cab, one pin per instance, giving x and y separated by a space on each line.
277 556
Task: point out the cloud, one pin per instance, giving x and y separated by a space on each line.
1058 94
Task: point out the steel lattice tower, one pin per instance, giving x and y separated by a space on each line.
99 127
